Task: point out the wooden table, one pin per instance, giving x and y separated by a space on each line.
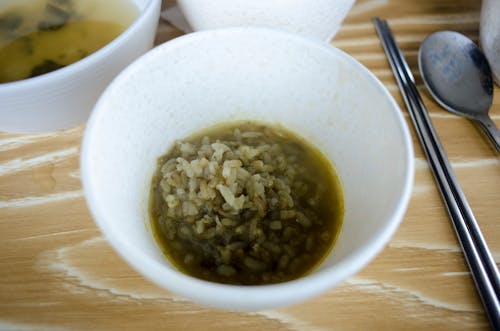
57 272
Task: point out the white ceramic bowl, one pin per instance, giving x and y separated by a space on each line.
216 76
316 19
65 97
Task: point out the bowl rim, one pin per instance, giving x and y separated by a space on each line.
93 58
257 297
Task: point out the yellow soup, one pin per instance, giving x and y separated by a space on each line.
37 37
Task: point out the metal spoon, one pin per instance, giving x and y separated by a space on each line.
459 77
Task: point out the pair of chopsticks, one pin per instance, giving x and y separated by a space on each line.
481 264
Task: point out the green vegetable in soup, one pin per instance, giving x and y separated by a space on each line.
45 67
56 14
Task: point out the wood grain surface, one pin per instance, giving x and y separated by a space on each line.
57 272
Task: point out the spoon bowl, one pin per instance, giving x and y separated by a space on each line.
458 76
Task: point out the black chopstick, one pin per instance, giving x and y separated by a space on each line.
479 259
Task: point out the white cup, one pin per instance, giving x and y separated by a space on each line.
317 19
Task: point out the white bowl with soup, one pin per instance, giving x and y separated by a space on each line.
57 56
232 134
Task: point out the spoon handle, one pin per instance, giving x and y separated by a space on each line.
490 130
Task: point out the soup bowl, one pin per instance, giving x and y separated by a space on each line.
315 19
211 77
65 97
